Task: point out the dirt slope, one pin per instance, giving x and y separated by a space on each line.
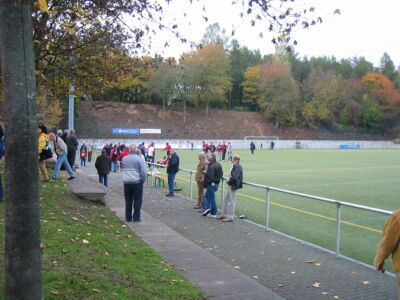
96 120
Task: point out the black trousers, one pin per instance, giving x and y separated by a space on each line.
133 195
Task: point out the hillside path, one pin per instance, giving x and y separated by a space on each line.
246 262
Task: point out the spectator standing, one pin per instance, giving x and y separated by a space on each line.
235 182
224 146
172 169
212 178
272 145
199 177
134 175
143 149
61 150
43 138
389 245
90 152
151 151
139 153
114 158
205 147
229 150
252 147
107 147
64 135
72 146
103 166
212 147
83 154
167 148
191 146
219 151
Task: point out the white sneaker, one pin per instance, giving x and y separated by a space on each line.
212 216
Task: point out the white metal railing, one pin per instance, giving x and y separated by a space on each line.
268 190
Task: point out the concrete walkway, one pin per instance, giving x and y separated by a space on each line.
240 260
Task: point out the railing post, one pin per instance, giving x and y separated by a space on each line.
267 211
222 191
337 229
191 188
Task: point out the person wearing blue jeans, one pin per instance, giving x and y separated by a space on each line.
103 179
210 203
61 150
134 175
103 164
172 169
212 178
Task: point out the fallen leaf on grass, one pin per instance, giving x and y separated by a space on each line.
96 290
54 292
316 284
88 233
64 250
106 253
85 241
75 219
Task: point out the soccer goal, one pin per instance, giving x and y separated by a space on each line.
261 142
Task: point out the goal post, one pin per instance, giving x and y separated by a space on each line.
261 141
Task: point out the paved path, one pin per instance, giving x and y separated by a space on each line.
288 268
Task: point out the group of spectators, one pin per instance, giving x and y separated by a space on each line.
222 149
65 147
208 177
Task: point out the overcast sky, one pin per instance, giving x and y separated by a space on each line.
364 28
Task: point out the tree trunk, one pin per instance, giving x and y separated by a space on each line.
207 108
22 253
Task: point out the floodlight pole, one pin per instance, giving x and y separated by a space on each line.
71 106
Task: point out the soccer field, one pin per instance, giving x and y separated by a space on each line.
366 177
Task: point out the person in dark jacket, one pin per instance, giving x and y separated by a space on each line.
172 169
252 147
212 178
103 166
235 182
72 146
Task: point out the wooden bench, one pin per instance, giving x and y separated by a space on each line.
158 178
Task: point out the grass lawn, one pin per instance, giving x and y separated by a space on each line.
367 177
89 254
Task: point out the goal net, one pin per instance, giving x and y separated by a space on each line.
261 142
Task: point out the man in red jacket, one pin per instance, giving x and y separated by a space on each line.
167 148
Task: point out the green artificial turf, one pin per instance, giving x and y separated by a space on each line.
88 253
366 177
